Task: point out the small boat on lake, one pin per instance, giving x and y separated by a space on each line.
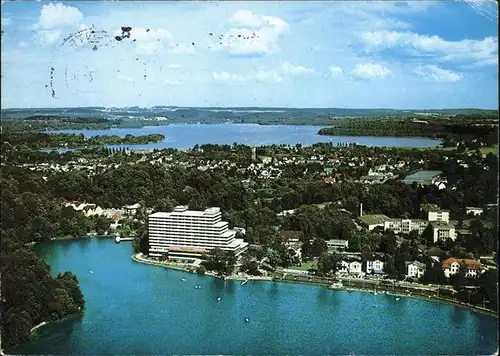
397 298
247 320
219 298
244 282
91 272
336 285
183 279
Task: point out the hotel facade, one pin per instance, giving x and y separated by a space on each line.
190 234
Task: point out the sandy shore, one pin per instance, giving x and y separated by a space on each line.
241 277
36 327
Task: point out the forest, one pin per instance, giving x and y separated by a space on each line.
30 295
474 129
38 140
31 211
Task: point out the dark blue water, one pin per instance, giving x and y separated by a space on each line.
185 136
137 309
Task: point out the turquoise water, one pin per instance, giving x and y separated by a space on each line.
136 309
185 136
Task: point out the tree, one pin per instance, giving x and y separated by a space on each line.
222 262
388 243
319 246
458 280
366 252
401 257
428 235
488 288
327 263
434 275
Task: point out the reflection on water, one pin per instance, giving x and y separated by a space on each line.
186 136
136 308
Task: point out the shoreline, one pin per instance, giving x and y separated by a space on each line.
387 291
38 326
34 329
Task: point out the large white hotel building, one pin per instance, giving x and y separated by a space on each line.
189 233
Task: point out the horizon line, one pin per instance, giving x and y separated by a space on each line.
243 107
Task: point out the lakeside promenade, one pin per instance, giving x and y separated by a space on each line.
424 293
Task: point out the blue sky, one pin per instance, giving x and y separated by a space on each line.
400 55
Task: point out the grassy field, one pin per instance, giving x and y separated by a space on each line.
306 265
486 150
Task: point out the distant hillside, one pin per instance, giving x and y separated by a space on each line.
105 118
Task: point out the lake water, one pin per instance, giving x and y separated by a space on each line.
139 309
184 136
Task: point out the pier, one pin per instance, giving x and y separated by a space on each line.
119 239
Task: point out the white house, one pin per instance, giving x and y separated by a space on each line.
343 267
442 231
371 221
131 209
415 269
452 265
355 267
405 226
337 244
372 266
434 213
473 210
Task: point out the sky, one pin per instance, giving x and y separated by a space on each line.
328 54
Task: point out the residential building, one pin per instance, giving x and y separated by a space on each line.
189 233
405 226
374 266
376 178
415 269
434 213
452 266
422 177
473 210
442 231
343 267
88 209
131 210
435 260
355 267
337 244
371 221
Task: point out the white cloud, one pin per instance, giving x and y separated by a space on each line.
155 40
370 70
245 18
48 37
335 71
59 15
225 77
6 21
262 76
53 19
183 48
268 77
171 82
438 74
296 69
482 51
125 78
147 40
253 34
